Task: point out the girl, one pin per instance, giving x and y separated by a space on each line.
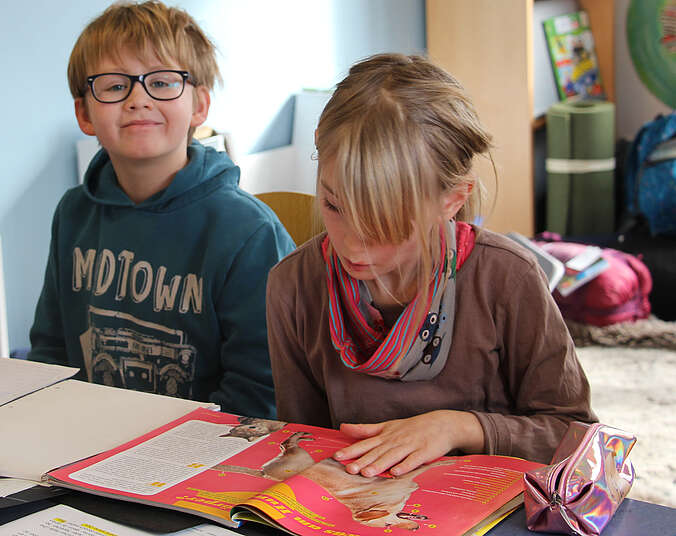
434 336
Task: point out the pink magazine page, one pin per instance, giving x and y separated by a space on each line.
188 464
450 496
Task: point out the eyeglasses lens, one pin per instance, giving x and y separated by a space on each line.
161 85
164 85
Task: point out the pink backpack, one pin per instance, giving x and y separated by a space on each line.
618 294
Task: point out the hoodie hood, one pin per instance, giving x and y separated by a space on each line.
206 171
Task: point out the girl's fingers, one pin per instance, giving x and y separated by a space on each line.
414 460
360 448
399 445
358 465
385 461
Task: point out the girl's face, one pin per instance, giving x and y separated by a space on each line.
383 264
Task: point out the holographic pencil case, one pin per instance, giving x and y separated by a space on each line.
589 477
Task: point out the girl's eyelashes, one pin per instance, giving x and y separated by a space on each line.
331 206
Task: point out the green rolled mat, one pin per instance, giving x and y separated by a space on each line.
581 167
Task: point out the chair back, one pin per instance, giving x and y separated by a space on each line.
296 211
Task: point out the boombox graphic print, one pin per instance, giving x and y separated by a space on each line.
121 350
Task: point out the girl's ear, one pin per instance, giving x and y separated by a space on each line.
452 202
201 103
82 116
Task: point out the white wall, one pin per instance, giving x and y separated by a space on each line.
269 51
635 103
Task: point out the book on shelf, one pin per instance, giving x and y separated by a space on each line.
573 56
231 469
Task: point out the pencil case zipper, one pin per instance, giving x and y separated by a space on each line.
558 480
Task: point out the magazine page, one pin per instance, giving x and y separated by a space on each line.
452 496
206 463
202 463
62 520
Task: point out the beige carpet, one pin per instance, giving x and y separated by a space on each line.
634 389
647 333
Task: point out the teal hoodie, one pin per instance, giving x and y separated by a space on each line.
166 296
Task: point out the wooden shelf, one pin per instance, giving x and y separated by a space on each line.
488 46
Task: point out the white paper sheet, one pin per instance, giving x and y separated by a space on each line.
19 377
72 420
9 486
63 520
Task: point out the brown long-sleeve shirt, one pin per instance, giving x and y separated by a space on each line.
512 362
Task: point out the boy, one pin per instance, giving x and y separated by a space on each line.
158 263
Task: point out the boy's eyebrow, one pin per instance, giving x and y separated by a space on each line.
117 68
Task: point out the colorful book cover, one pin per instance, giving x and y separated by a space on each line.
231 469
573 57
573 279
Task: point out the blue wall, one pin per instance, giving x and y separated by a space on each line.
269 50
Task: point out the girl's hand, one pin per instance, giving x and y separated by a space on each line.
402 445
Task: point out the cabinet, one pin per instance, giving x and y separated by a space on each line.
488 46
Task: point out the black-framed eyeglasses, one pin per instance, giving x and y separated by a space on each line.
164 85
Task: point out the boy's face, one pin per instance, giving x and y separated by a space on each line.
140 129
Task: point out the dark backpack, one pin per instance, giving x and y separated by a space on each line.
650 176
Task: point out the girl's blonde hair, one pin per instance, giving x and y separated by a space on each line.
147 27
398 133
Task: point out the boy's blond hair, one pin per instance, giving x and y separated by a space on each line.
398 133
169 32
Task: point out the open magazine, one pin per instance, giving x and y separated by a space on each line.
231 469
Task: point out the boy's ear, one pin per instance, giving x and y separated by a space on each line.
200 108
452 202
82 116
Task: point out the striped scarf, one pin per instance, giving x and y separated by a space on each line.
411 350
